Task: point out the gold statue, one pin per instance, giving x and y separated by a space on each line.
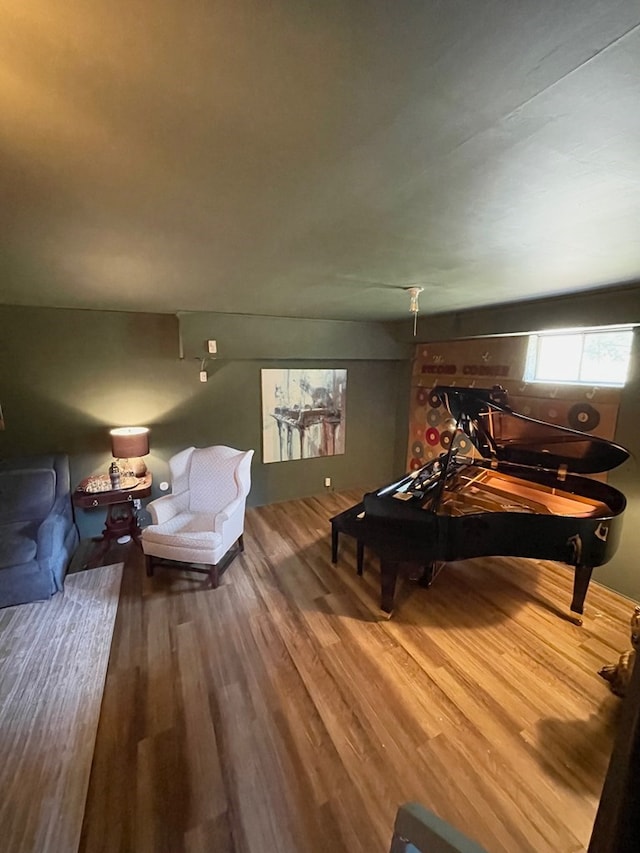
619 674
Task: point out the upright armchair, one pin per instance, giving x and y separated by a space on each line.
201 523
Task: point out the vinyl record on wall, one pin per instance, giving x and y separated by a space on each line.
434 400
461 444
583 416
422 396
446 438
553 412
415 464
525 406
433 417
432 436
417 449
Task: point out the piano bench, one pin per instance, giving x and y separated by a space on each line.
348 522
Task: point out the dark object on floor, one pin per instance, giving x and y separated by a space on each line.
617 824
418 830
619 674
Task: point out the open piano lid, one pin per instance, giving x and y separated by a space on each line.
498 432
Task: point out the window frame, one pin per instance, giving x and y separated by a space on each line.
533 355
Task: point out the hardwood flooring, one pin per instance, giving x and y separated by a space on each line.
284 712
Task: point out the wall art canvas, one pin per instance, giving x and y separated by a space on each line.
303 413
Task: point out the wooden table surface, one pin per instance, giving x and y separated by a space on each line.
88 500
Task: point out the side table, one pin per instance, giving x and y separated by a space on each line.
122 519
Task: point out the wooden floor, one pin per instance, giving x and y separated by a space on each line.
284 712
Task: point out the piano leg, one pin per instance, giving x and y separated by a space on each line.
388 577
360 556
581 578
334 542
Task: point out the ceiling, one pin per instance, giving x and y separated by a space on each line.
312 159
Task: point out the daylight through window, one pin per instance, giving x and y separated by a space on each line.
589 357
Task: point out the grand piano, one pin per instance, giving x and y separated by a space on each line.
520 492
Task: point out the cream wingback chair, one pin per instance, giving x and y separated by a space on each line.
202 520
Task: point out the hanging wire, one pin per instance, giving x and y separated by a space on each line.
414 293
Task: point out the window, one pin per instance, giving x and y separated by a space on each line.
585 357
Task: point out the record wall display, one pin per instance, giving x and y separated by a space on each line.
595 418
483 363
433 433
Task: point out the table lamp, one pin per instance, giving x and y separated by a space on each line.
128 445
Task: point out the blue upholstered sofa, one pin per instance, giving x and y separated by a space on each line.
37 532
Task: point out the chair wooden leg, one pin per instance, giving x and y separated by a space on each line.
148 564
214 576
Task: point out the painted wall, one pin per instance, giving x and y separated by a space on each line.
67 376
616 305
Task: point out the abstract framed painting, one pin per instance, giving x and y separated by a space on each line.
303 413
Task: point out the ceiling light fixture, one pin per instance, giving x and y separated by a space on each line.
414 293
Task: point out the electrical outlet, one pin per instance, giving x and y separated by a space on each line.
327 482
212 347
203 376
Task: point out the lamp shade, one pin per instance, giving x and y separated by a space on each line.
128 442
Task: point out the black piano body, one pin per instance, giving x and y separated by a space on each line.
520 493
